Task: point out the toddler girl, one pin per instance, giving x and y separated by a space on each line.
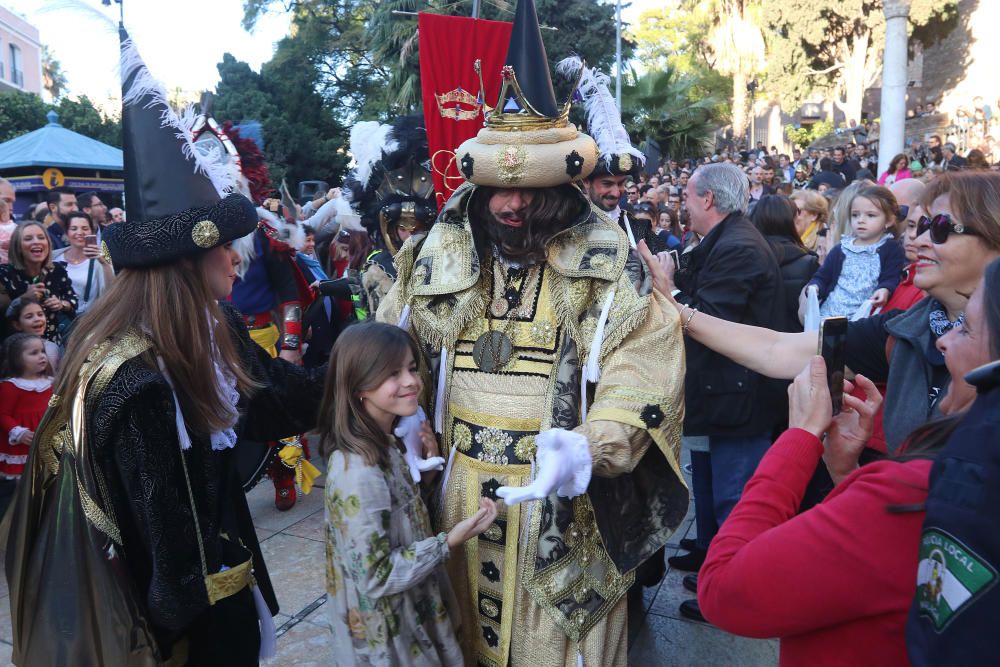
24 396
389 598
866 265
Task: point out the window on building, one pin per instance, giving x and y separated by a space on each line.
1 60
16 74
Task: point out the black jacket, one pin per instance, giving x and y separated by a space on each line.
797 268
833 179
733 275
953 620
136 448
845 169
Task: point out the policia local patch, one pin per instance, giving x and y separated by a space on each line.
949 577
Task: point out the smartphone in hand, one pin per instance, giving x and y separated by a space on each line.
90 239
833 349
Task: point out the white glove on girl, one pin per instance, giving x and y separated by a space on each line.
563 464
408 430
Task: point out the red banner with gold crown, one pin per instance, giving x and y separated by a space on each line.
453 102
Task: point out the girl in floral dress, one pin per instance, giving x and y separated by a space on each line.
389 598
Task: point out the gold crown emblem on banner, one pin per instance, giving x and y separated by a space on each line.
526 117
455 104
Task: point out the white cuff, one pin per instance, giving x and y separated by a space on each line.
16 433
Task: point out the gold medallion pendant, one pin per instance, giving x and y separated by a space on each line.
492 351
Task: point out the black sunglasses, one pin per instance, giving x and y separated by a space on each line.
940 226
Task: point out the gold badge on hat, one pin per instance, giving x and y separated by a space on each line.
625 162
510 164
205 234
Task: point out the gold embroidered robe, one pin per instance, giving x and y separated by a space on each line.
548 580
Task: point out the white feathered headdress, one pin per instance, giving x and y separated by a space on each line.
223 173
604 121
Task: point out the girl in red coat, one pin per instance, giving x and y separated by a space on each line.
24 395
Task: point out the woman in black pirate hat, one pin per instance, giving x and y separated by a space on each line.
131 542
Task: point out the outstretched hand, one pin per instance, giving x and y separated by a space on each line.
476 524
563 463
661 269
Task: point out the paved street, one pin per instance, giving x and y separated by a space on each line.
293 545
294 549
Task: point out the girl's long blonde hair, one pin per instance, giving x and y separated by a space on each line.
364 356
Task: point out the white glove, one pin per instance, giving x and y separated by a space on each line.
563 464
408 430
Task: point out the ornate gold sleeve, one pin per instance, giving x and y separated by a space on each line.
640 396
391 306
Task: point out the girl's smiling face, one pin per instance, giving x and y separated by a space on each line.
32 320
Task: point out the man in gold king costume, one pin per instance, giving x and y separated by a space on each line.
557 387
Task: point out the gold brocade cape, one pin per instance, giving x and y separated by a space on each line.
587 548
71 602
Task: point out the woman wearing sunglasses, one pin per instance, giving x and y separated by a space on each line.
958 237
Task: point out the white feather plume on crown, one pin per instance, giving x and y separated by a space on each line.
368 140
604 120
336 211
224 174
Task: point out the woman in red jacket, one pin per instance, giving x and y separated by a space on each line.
835 582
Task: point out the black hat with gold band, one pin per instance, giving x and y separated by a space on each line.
180 200
528 140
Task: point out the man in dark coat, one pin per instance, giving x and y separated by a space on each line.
842 165
827 176
732 274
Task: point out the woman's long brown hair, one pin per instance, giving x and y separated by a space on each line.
364 356
173 306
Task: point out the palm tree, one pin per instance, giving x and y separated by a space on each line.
52 75
737 45
658 106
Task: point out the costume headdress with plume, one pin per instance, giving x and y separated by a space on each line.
527 140
604 122
182 198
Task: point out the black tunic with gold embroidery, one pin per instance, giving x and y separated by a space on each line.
144 513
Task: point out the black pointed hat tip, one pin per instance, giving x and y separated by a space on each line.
526 54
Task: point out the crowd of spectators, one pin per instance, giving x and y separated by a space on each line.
814 536
798 510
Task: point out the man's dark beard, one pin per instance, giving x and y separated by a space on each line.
551 211
525 244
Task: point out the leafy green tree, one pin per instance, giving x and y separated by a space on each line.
303 140
833 46
676 35
82 116
658 106
804 136
22 112
369 62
